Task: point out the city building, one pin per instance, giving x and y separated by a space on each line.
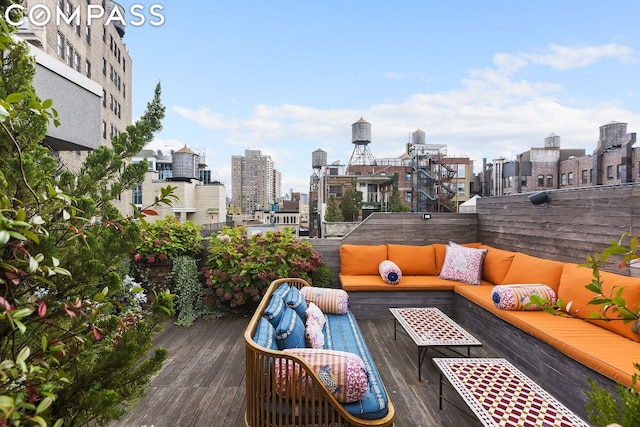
201 200
427 180
614 161
255 183
92 89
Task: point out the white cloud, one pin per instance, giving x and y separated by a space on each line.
566 57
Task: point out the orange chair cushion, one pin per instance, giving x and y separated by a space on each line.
413 260
361 259
441 252
496 264
576 297
529 269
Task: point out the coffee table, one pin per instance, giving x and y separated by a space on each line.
500 395
430 327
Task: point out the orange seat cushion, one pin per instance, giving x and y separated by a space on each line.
496 264
580 340
529 269
413 260
362 259
576 297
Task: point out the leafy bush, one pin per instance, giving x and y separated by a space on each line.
239 268
166 239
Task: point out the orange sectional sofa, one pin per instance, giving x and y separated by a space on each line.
608 349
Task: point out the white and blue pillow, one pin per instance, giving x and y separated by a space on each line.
290 332
265 335
294 299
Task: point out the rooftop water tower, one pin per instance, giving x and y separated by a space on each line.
185 164
318 160
360 138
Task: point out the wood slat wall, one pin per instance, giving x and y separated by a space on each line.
571 225
412 229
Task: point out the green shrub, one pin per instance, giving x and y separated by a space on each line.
239 268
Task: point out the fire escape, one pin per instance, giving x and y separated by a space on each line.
432 183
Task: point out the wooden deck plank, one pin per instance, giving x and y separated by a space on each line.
202 382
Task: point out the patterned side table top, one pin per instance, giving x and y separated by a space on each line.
502 396
431 327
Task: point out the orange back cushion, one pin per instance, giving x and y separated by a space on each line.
413 260
361 259
441 252
576 297
529 269
496 264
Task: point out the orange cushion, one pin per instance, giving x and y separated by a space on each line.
496 264
441 252
362 259
576 297
529 269
413 260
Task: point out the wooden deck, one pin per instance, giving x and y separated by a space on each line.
202 381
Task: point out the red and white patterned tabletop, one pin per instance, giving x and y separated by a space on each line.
429 326
502 396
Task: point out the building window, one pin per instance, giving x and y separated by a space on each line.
104 67
585 176
549 180
407 177
462 171
76 61
590 175
87 34
137 195
124 90
104 130
124 65
462 189
104 98
60 46
104 34
570 178
619 170
69 54
540 180
87 68
563 179
408 197
610 172
336 190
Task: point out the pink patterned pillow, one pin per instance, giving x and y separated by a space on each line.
314 312
329 300
315 336
516 297
343 373
463 264
390 272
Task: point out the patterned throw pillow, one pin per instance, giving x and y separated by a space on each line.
329 300
265 335
314 333
295 300
274 310
343 373
390 272
516 297
463 264
290 332
313 312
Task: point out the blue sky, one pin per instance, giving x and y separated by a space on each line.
487 78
